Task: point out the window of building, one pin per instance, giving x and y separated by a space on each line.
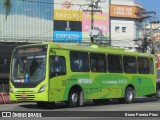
143 65
115 64
129 64
79 61
117 29
124 29
138 30
98 62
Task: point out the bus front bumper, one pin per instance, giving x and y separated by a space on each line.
29 96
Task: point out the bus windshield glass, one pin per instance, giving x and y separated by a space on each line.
28 67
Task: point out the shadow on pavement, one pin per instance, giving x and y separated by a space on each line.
88 103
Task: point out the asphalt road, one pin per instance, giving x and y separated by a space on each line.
140 104
90 109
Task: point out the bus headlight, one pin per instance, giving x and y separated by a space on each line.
42 89
10 89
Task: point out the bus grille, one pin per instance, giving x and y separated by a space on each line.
24 91
24 97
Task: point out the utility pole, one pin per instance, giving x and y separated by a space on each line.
145 38
145 15
93 9
152 33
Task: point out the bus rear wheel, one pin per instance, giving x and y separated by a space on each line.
129 95
74 98
158 93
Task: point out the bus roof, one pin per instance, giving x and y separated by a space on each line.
98 49
92 48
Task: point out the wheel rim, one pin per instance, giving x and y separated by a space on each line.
130 95
74 98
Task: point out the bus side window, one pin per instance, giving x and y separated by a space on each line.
98 62
94 62
79 61
111 66
151 66
57 66
129 64
143 65
115 64
75 66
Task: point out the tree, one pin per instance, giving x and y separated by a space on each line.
7 6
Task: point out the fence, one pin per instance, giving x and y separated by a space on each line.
4 88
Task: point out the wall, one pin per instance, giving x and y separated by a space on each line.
27 21
126 2
46 20
123 15
73 24
122 38
123 2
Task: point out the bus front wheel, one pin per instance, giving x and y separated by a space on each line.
74 98
129 95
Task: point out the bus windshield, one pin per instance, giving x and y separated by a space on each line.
28 68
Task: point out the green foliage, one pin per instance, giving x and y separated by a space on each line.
7 7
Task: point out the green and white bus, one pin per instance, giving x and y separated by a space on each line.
49 73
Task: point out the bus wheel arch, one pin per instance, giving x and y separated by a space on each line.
75 96
129 94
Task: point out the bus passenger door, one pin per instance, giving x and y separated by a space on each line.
57 75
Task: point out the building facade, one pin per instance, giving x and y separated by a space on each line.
35 21
54 21
126 25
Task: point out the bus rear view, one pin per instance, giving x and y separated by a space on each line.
28 74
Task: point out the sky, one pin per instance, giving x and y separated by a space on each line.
151 5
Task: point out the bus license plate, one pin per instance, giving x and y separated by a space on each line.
24 96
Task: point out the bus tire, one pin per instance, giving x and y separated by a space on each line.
129 95
74 98
158 93
81 98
